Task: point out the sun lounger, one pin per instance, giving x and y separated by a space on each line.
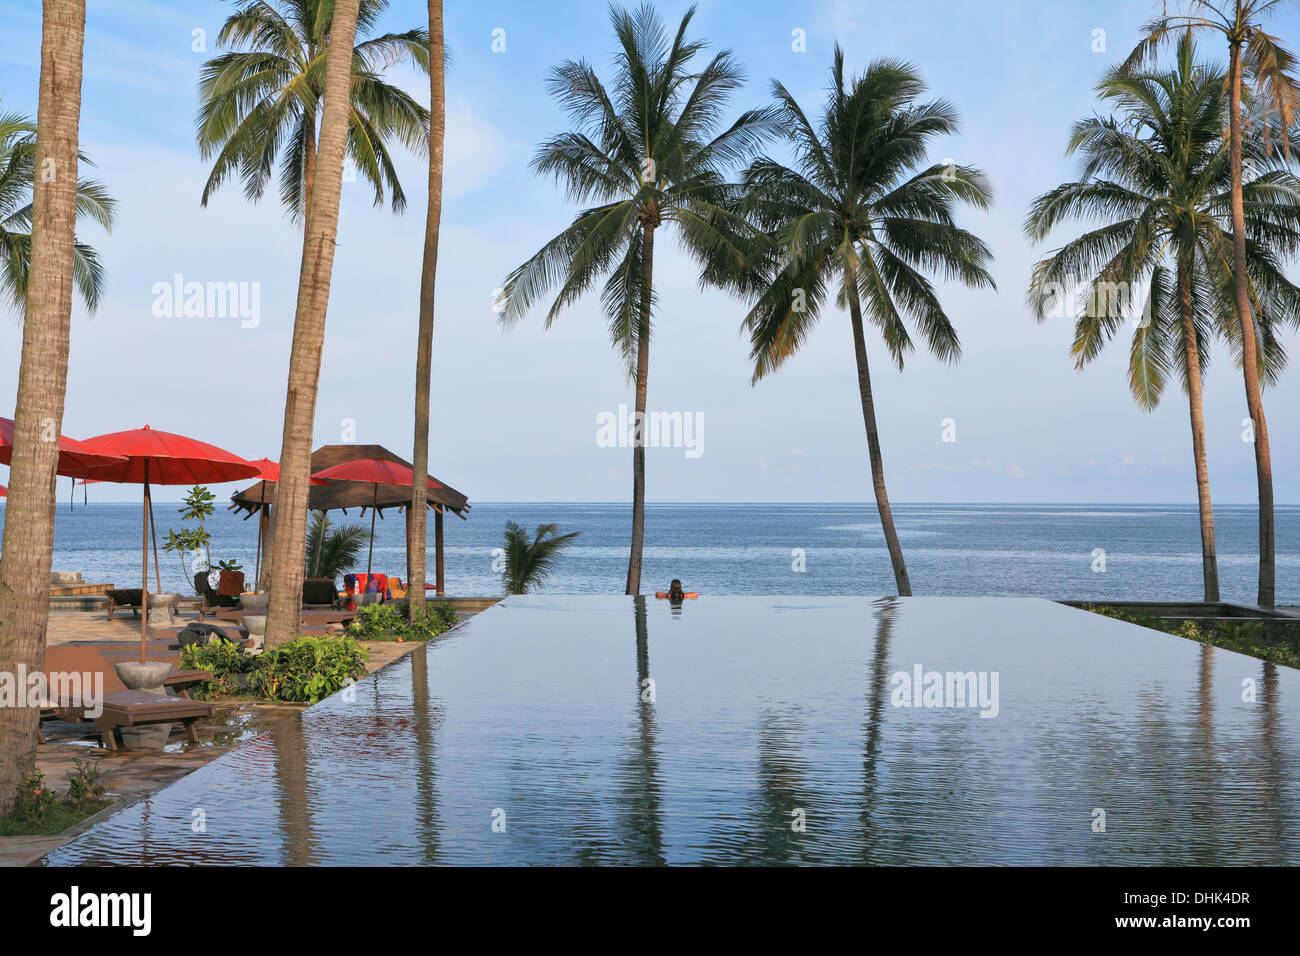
123 597
134 708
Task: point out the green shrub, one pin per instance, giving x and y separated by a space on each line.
308 669
1249 637
34 798
229 665
391 622
85 786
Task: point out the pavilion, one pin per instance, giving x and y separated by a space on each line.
341 495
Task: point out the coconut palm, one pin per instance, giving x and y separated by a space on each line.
28 543
17 173
333 549
262 102
862 215
1259 59
529 563
320 233
1157 178
646 152
417 545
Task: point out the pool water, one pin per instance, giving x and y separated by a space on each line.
753 730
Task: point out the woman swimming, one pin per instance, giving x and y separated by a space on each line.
675 592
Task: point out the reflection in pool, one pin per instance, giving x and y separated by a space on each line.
571 730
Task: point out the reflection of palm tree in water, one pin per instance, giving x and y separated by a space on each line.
427 818
294 796
642 828
877 694
1274 797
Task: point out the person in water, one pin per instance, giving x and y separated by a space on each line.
675 592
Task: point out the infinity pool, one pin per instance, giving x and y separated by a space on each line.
749 730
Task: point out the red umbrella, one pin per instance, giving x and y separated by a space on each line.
375 471
74 457
148 456
3 491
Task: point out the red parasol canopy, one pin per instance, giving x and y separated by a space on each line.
162 458
3 491
373 471
74 457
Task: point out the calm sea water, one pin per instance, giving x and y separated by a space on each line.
739 730
1151 551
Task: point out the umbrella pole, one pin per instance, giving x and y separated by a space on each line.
144 567
261 517
153 530
371 558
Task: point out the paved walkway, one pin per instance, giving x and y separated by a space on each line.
130 776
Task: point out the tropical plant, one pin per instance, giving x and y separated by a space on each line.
308 669
401 621
28 543
647 152
332 550
861 215
17 173
418 541
1258 59
262 102
1157 178
320 234
527 564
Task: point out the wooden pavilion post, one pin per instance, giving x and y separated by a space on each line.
437 546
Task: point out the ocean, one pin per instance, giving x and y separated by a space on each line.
1086 552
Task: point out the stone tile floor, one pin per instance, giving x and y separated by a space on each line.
129 776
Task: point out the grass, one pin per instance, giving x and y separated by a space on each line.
1250 638
63 814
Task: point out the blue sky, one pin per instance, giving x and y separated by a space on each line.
514 413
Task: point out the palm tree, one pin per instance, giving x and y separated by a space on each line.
28 543
424 345
529 563
263 101
863 214
333 549
319 235
645 152
1259 58
17 173
1157 177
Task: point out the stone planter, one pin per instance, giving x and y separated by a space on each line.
255 624
255 600
148 678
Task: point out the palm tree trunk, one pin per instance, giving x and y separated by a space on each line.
28 545
873 438
638 446
1191 351
1249 350
419 524
309 166
284 613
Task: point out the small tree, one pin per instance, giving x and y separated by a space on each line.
529 563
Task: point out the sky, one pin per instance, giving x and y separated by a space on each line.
516 413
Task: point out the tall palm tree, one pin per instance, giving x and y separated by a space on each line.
320 232
1257 57
529 563
862 214
28 544
1157 176
263 101
418 543
646 152
17 173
